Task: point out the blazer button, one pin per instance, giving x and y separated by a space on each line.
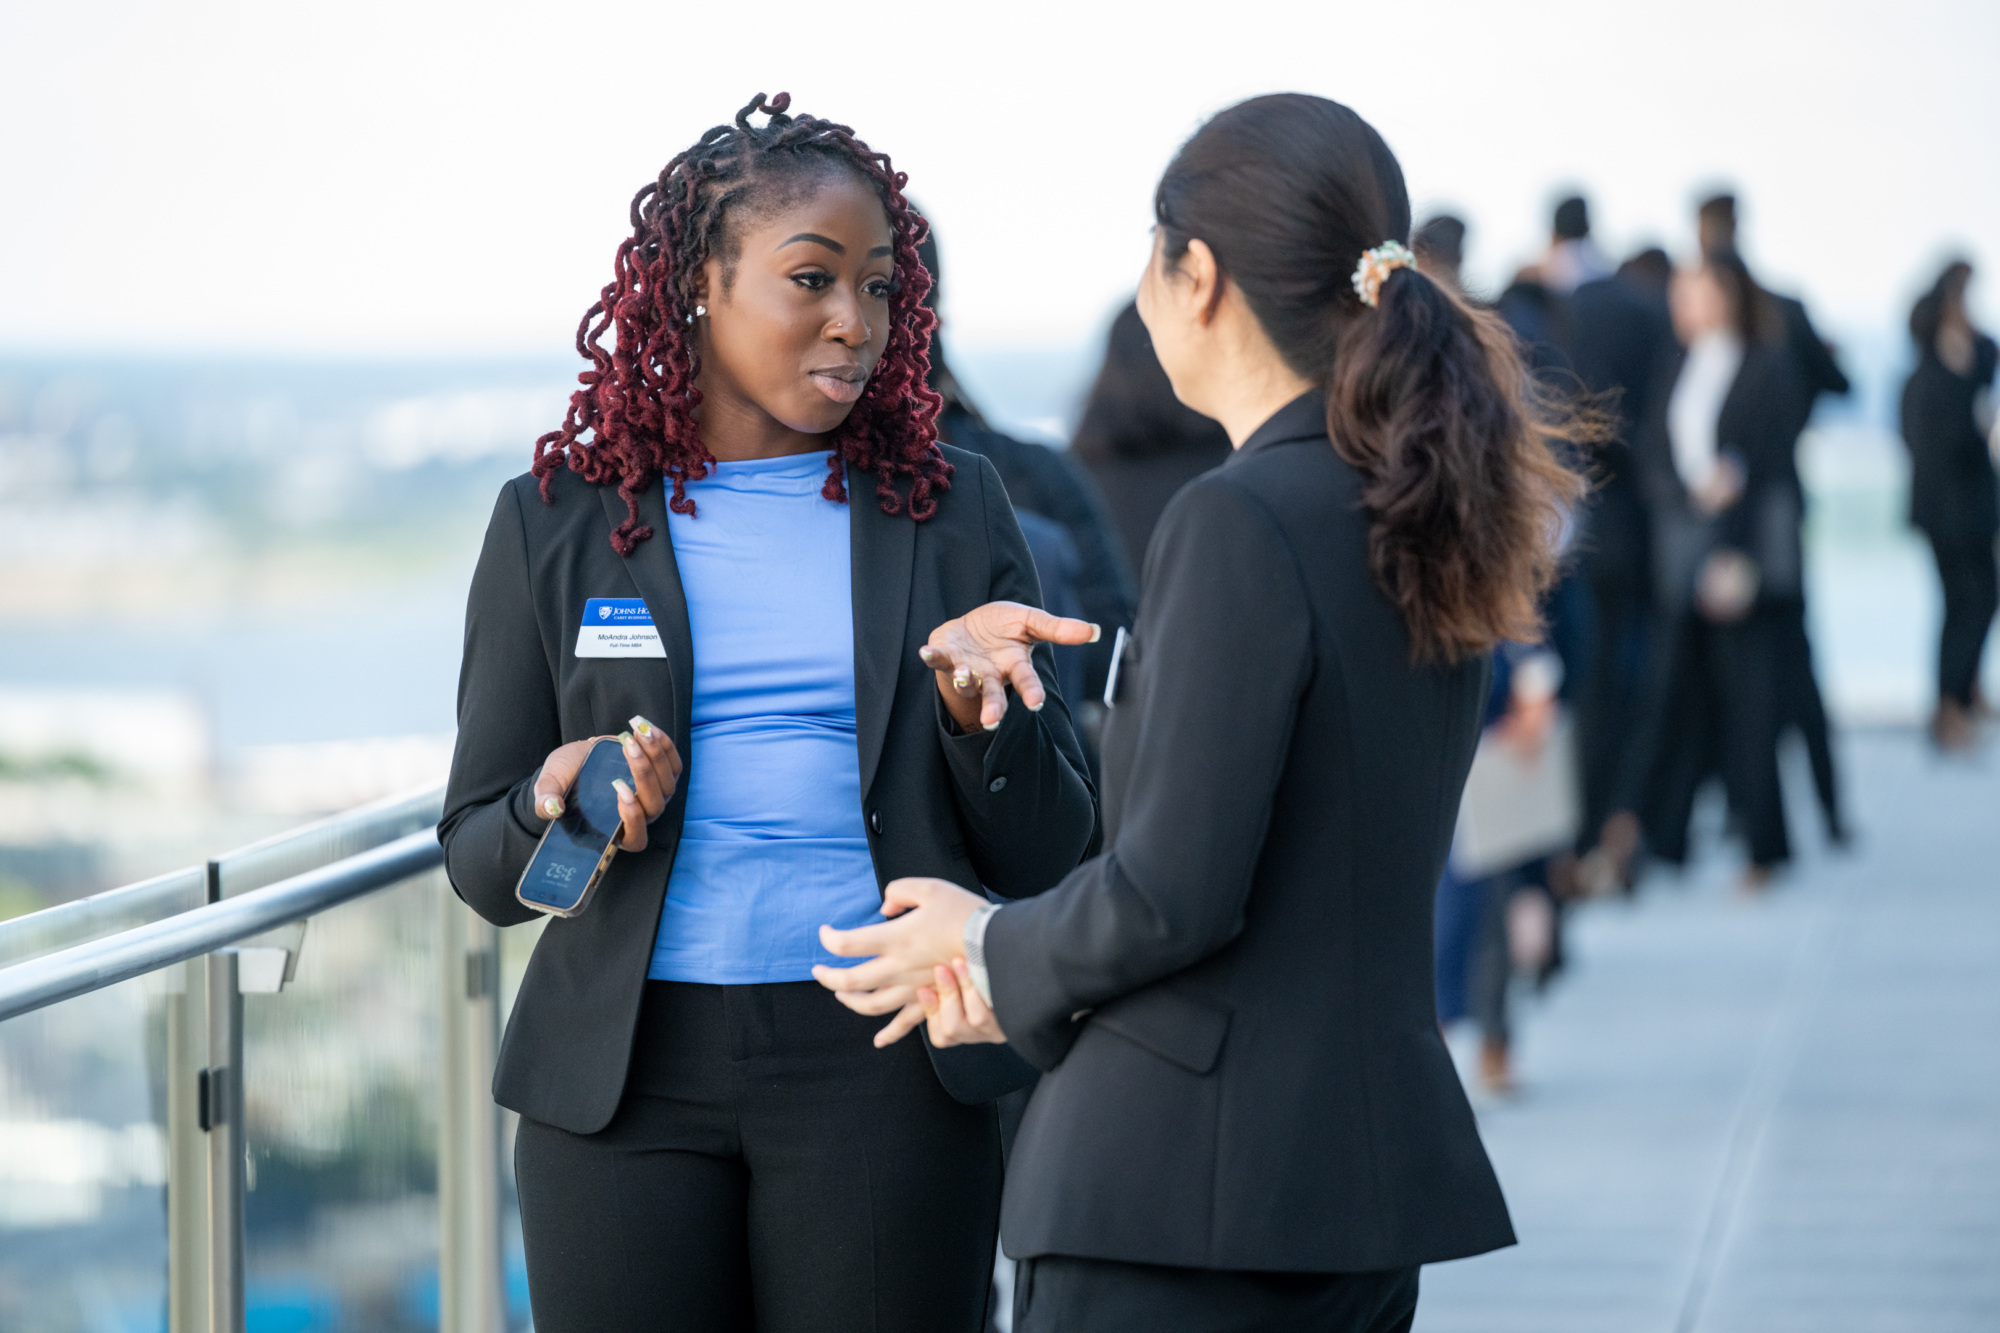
998 784
875 821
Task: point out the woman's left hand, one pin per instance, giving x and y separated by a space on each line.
926 928
957 1013
983 651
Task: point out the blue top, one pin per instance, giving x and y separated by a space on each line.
773 843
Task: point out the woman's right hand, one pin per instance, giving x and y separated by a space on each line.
978 655
656 766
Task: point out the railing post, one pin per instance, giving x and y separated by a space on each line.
471 1289
222 1117
187 1149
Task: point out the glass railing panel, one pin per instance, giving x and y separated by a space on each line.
341 1088
83 1163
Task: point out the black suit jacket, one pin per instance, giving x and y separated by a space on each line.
1952 487
1766 408
1234 1001
1617 338
1012 809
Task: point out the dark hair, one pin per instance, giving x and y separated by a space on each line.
1927 316
1572 222
1751 310
1426 394
1718 211
638 400
1651 268
1441 239
1132 411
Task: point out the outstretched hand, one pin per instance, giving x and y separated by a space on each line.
983 651
925 931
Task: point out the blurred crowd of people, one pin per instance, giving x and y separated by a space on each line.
1676 651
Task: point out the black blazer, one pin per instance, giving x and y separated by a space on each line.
1762 415
1234 1001
1012 809
1952 487
1617 337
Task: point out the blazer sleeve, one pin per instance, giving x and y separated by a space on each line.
507 724
1023 794
1226 644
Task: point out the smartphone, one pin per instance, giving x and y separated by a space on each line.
576 849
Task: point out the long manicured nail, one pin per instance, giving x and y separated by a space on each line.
926 655
1036 707
643 727
992 726
1096 633
624 792
961 681
630 746
552 807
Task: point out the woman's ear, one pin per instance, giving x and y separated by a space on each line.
1204 275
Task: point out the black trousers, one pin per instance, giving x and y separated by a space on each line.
768 1170
1611 703
1971 596
1719 713
1801 706
1061 1294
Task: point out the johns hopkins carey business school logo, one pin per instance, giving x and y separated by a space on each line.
617 627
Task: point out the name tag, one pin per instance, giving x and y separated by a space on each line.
618 627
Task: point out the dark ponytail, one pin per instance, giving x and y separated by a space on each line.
1426 394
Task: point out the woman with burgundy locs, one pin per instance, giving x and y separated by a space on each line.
1248 1118
846 689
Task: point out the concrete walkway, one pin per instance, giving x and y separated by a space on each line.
1772 1114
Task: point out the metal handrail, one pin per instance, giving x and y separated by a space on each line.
102 913
331 839
99 963
252 867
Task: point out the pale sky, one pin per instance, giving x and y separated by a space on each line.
391 176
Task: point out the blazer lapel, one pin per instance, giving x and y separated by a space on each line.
658 579
883 550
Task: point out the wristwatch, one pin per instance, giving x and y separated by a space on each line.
975 949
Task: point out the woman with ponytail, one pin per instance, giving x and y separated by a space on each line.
825 675
1247 1117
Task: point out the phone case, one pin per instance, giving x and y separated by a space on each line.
596 875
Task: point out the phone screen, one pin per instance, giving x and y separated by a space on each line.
575 843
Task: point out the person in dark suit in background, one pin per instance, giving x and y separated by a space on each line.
1816 371
1075 542
1726 507
1248 1118
1648 274
838 612
1439 245
1140 442
1947 417
1613 338
1716 226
